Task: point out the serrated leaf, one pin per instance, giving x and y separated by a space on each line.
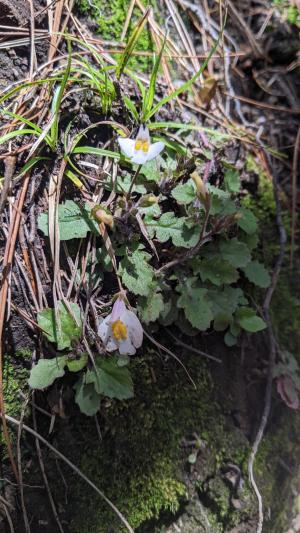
217 271
66 330
136 273
223 304
232 180
111 380
248 320
75 365
150 307
221 202
168 226
169 313
73 220
196 305
46 371
256 273
251 241
86 397
185 193
235 252
247 222
151 170
153 210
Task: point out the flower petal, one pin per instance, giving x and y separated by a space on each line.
118 308
143 133
155 150
140 157
111 345
134 327
105 334
126 347
127 146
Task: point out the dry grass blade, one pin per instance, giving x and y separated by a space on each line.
6 265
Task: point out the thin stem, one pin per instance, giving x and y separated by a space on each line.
133 182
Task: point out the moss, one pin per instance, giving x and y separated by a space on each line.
14 379
110 18
141 461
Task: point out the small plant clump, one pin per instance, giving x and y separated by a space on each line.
165 239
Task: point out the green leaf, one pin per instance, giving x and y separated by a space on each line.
229 339
66 329
123 184
222 321
87 397
46 371
251 241
235 252
136 272
73 220
168 226
185 193
217 271
232 180
151 170
247 222
195 303
248 320
111 380
224 303
169 313
257 274
75 365
150 307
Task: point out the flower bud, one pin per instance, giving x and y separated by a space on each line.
102 215
201 189
148 200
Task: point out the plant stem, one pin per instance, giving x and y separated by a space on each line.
133 182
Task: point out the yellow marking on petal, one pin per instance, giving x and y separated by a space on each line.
140 144
119 330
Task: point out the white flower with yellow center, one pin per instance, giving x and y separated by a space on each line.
140 150
121 330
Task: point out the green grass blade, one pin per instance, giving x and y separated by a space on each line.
131 107
56 102
150 93
185 86
21 86
73 178
96 151
15 133
124 58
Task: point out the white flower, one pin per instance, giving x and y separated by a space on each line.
121 330
140 150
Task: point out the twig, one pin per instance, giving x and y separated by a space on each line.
44 475
73 467
10 163
19 458
192 348
294 194
272 344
